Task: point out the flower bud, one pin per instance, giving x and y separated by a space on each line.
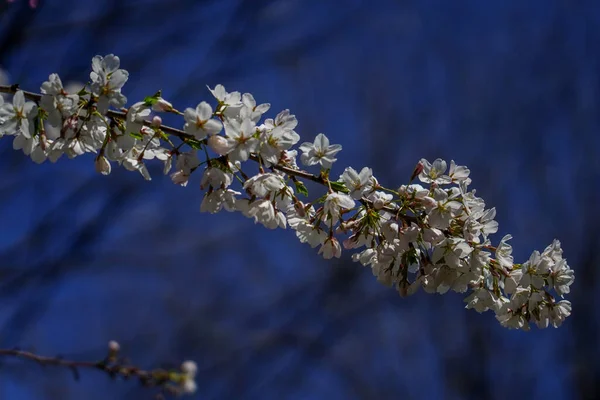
417 171
189 386
218 144
102 165
378 203
189 368
113 346
156 121
162 105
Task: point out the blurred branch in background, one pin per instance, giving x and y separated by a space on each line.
504 89
171 382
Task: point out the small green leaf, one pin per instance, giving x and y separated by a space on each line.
321 199
339 187
151 100
193 143
301 188
136 135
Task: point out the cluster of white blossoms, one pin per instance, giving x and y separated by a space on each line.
433 235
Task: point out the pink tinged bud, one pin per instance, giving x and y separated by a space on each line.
162 105
218 144
113 346
156 121
417 171
378 204
102 165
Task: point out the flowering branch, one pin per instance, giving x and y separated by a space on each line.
434 236
170 381
113 114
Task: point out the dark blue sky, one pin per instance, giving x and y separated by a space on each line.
508 88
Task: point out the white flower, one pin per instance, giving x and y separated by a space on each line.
31 147
230 99
186 163
240 140
251 110
504 253
559 312
481 300
16 118
335 203
132 162
306 231
230 104
107 81
561 277
284 119
263 211
511 282
530 271
365 257
331 248
134 120
459 173
199 122
414 190
270 185
319 152
56 101
433 236
189 370
441 209
275 141
357 183
380 200
434 172
512 319
452 250
215 200
216 178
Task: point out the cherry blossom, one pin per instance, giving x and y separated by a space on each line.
319 152
434 235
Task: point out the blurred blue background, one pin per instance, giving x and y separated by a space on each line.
509 88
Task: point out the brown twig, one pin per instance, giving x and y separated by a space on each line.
110 365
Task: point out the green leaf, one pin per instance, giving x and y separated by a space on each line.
151 100
136 135
301 188
321 199
339 187
193 143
